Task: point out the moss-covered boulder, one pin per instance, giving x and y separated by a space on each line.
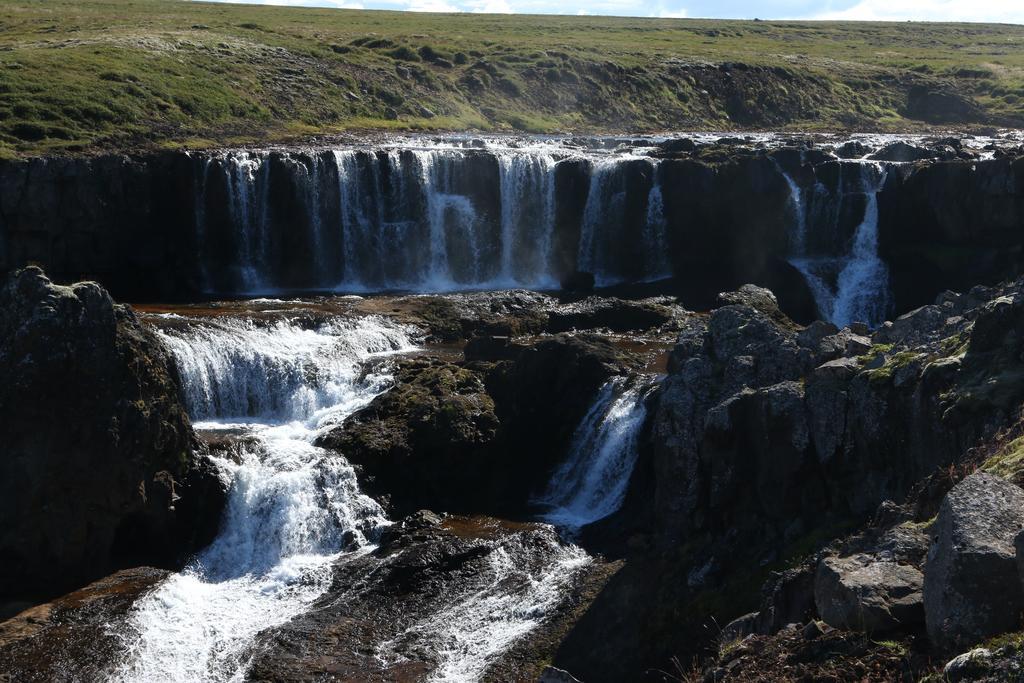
474 436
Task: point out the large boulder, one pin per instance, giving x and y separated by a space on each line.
972 589
865 593
97 464
476 436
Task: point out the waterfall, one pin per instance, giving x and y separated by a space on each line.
863 284
591 483
527 188
854 286
657 263
798 235
423 219
292 507
295 511
244 178
199 193
604 211
316 220
241 173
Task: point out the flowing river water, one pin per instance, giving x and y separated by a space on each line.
295 511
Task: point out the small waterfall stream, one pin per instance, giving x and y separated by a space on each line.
852 287
591 483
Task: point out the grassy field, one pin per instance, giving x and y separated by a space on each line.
85 75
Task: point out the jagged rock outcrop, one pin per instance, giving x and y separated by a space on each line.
972 589
768 439
951 225
98 467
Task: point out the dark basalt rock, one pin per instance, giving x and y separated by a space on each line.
99 467
609 313
476 436
767 439
902 151
972 589
852 150
677 146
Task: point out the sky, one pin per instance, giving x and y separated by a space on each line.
1009 11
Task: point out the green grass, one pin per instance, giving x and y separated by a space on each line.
1008 461
113 74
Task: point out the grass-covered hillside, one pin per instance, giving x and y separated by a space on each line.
102 74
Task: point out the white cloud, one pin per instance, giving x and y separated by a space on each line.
333 4
679 13
490 6
1008 11
431 6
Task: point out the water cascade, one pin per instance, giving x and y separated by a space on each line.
591 483
295 512
507 601
851 286
657 264
422 219
292 507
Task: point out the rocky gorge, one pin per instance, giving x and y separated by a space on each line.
495 462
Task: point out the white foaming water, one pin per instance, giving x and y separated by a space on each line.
861 288
591 483
469 633
292 507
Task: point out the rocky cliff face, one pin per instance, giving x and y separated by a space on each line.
951 226
99 466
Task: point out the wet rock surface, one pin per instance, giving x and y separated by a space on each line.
811 488
100 467
768 439
70 638
433 590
